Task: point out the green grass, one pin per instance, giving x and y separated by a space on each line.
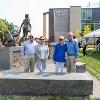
92 61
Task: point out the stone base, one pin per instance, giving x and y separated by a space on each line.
73 84
9 57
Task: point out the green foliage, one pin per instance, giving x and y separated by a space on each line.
77 33
11 27
6 26
87 29
92 27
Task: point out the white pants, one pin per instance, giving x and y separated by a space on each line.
41 65
59 67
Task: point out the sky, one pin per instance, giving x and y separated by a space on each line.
15 10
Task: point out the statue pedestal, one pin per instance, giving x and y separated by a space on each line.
9 57
75 85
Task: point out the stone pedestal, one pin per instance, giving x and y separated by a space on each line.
71 85
9 57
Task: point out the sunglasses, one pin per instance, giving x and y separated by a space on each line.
31 36
42 39
61 39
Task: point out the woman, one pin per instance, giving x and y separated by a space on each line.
42 54
59 55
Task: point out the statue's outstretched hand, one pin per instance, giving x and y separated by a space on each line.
19 31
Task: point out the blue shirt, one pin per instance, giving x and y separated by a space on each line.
28 48
59 53
72 48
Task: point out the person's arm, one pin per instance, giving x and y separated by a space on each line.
54 55
76 49
47 52
66 47
37 52
23 50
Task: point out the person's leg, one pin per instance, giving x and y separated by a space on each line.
73 67
68 64
26 64
39 65
57 67
32 63
43 65
61 67
24 32
85 53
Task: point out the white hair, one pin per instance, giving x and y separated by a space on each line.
70 33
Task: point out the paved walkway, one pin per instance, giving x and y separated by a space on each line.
50 68
96 87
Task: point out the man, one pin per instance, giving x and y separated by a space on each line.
74 37
84 49
28 51
59 55
98 44
72 53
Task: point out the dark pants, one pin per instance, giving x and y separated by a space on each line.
84 52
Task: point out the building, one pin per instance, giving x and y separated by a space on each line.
46 24
59 21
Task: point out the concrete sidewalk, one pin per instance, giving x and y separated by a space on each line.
96 87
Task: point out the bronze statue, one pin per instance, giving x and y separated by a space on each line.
26 26
8 39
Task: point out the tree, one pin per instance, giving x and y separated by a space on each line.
6 26
87 29
11 27
77 33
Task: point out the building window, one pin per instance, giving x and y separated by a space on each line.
94 25
86 14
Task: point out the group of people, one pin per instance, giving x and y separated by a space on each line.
33 52
37 53
70 49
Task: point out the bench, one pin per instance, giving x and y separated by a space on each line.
80 67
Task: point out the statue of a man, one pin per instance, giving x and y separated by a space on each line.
26 26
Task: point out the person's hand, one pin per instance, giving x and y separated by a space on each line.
54 62
76 60
19 31
41 59
45 58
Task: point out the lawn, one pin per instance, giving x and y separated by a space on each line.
92 61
